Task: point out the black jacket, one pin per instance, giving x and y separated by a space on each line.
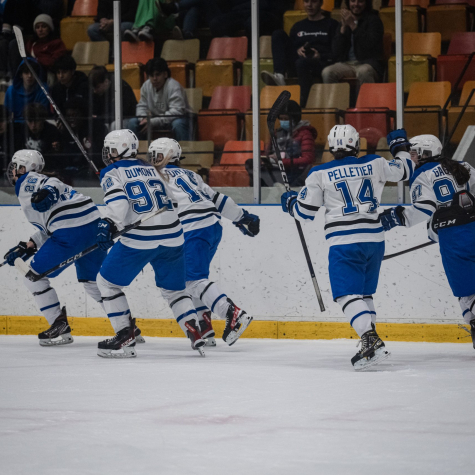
368 42
103 107
105 9
78 90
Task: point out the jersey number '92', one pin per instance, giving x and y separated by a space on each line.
365 195
144 196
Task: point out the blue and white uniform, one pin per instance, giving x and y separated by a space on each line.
432 188
133 189
200 209
350 189
67 228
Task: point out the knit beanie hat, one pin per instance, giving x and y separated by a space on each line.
43 18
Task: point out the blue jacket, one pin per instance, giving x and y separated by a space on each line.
16 98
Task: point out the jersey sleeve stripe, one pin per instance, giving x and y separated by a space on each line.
192 220
115 199
111 192
138 237
309 207
223 202
355 231
68 207
426 202
303 215
215 198
350 223
158 227
75 215
426 211
197 211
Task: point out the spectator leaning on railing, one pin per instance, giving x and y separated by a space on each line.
358 45
165 99
306 51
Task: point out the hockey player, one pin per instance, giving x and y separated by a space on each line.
132 189
440 195
67 223
200 209
350 188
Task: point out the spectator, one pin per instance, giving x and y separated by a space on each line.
165 100
306 51
103 28
103 97
71 83
190 12
25 90
296 142
45 46
148 20
239 17
37 133
358 45
6 138
91 138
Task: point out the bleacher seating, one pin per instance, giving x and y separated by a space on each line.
181 56
197 155
266 62
448 19
468 117
74 28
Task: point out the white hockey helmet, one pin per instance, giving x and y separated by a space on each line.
164 150
119 144
428 147
32 160
344 138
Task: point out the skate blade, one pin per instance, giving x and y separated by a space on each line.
234 335
210 341
139 339
127 352
377 358
201 351
64 339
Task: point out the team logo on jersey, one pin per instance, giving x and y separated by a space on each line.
108 183
416 192
303 193
393 163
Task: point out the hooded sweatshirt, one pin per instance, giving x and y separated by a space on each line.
300 147
170 101
79 89
16 98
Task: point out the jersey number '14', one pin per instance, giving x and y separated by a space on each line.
144 196
365 196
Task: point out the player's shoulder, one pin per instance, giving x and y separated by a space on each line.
343 162
124 164
421 171
33 179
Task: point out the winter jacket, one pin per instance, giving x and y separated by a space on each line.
16 98
105 9
103 107
46 50
171 101
368 42
79 89
300 148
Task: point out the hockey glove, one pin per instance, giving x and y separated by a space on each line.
392 217
105 229
288 201
44 199
397 141
21 251
248 224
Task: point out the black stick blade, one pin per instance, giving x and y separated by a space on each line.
278 106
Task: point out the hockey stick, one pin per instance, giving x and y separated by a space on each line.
3 263
21 48
415 248
26 270
279 104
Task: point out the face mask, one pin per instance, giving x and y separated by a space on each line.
285 124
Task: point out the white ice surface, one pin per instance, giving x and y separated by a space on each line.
259 407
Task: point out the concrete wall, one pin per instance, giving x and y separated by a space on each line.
267 275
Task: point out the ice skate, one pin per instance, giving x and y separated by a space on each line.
472 331
138 335
372 352
206 329
59 333
120 346
237 321
197 341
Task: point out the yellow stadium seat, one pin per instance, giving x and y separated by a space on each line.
179 71
266 62
412 21
74 29
326 96
270 93
416 69
197 155
91 52
132 74
291 17
181 50
468 117
327 5
209 74
447 19
195 98
423 43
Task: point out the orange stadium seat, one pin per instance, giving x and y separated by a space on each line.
74 28
414 3
85 8
219 126
423 113
231 97
468 117
223 66
447 19
231 171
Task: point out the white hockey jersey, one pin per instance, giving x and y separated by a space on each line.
350 189
199 206
134 188
432 188
71 210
